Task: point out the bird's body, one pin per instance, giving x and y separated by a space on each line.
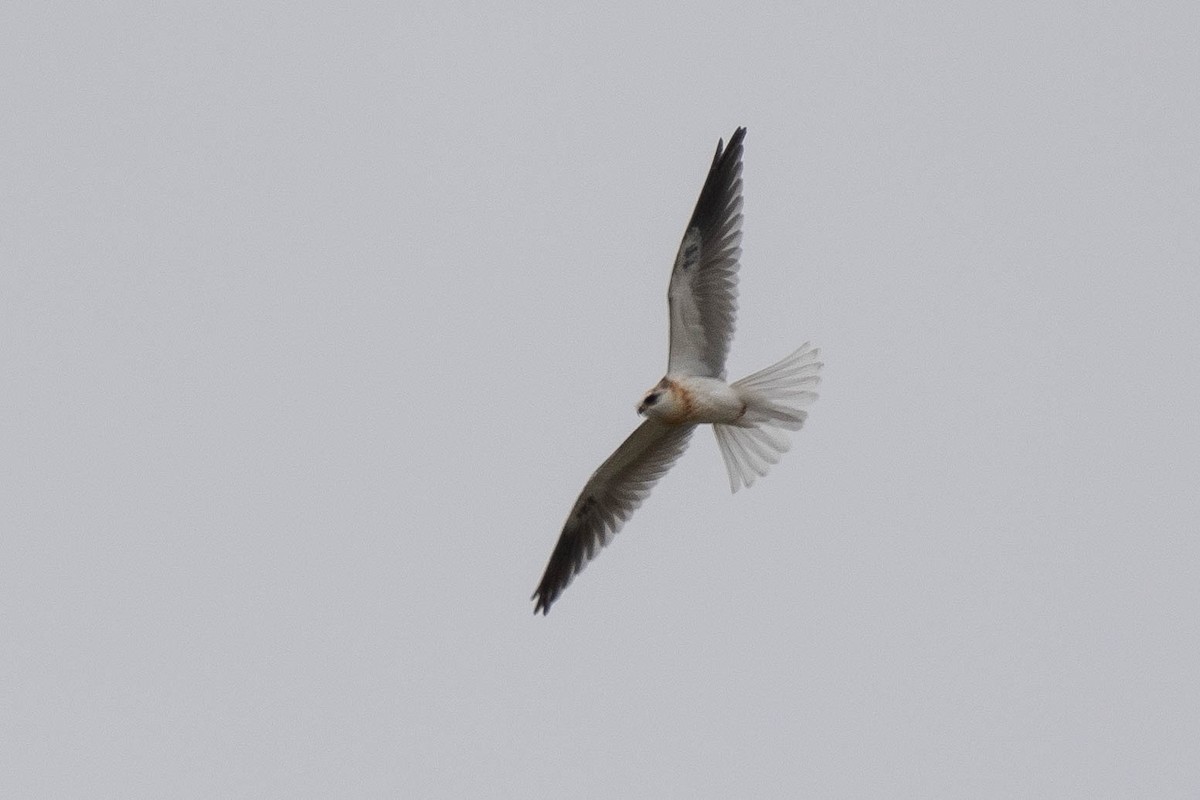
749 416
692 400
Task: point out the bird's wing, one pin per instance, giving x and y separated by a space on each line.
612 493
703 291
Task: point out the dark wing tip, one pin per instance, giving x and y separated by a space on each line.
565 562
547 591
734 142
552 585
721 185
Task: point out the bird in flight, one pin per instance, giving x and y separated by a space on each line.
750 416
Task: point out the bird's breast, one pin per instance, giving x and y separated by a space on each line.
706 400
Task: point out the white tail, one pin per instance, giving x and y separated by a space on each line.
775 400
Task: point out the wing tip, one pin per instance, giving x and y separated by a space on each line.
734 141
545 595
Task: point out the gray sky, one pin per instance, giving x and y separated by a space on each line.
314 323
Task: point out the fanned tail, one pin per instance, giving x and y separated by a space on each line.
775 400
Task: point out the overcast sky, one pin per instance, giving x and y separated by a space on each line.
313 323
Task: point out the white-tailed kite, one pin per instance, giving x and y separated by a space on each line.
749 417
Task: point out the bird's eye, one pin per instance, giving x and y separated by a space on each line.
651 399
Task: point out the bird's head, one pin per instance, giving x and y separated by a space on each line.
663 402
